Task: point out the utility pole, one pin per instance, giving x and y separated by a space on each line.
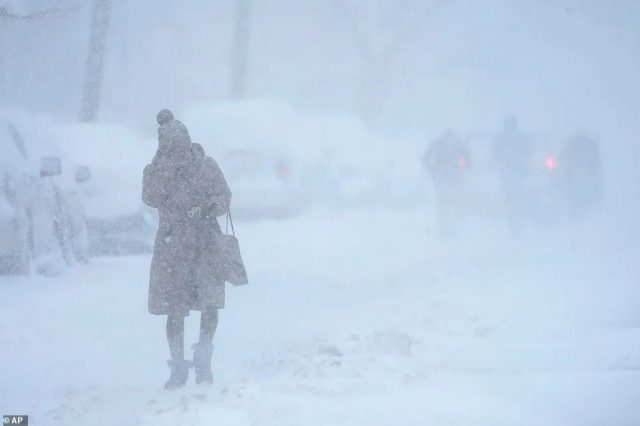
100 18
240 50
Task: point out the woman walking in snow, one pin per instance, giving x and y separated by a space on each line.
189 191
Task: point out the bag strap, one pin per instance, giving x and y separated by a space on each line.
230 220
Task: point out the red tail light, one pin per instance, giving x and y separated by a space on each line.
461 162
550 163
282 168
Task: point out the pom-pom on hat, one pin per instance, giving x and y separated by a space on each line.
164 116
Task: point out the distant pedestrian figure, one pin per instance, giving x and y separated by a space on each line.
447 160
189 191
513 156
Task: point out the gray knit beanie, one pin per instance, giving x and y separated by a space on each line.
173 136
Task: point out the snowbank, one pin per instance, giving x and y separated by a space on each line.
357 325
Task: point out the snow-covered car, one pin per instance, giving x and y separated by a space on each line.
263 184
114 157
546 187
280 161
17 185
263 173
38 222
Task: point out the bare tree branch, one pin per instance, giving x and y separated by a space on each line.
54 12
397 23
404 24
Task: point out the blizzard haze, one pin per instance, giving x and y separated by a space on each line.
436 202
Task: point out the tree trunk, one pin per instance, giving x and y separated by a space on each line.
240 51
100 18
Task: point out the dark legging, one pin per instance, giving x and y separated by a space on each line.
175 331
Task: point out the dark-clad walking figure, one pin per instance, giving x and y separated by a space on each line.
447 159
189 191
513 156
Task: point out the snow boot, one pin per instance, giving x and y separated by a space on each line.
202 362
179 374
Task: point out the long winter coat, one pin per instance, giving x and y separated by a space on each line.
188 194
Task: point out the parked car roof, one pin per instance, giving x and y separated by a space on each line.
115 155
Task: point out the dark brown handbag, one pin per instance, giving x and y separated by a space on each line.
232 266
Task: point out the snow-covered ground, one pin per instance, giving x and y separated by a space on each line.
351 318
